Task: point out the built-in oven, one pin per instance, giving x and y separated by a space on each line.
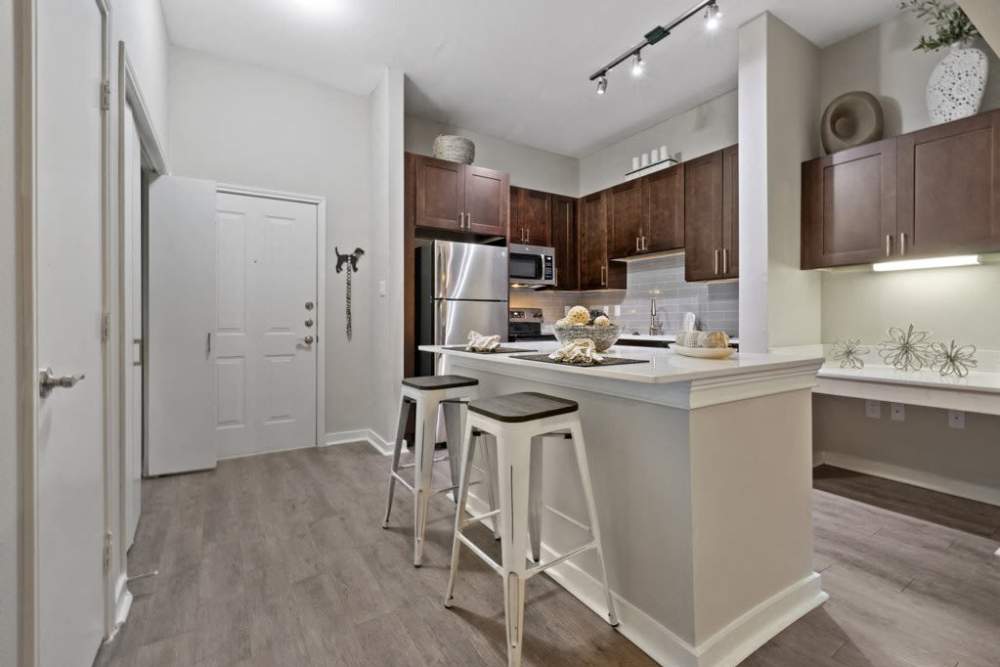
531 266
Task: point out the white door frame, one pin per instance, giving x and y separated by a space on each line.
129 96
320 203
25 23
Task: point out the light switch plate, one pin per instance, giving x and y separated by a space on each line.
381 288
898 412
956 419
873 409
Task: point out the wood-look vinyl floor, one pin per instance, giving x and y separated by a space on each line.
281 560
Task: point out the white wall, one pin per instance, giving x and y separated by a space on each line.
882 61
386 110
528 167
140 24
8 317
253 126
922 450
778 88
986 15
864 304
706 128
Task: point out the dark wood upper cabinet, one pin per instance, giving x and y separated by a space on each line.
625 219
457 197
564 240
949 188
663 210
711 216
849 206
596 272
932 192
487 201
440 193
531 217
731 212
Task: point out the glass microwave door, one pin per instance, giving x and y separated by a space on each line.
525 267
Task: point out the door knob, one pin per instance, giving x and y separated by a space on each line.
309 305
47 381
308 340
309 323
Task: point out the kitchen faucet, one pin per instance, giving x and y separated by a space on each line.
655 326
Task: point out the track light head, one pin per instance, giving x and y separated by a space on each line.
638 65
602 84
713 17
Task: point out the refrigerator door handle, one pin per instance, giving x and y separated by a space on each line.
440 322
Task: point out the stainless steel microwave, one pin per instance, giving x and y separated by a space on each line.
532 266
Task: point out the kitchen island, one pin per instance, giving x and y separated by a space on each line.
702 472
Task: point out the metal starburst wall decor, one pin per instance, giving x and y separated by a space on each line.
849 353
953 359
906 350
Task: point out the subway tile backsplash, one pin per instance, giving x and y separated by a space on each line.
716 305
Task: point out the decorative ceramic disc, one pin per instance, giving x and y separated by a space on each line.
957 85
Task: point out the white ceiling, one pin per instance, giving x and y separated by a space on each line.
514 69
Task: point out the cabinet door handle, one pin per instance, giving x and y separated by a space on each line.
902 243
604 272
644 246
716 257
637 244
888 245
468 221
725 261
527 234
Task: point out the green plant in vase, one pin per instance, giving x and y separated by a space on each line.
950 23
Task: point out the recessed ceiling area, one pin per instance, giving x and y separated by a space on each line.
517 70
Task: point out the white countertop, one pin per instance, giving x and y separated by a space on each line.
979 391
664 366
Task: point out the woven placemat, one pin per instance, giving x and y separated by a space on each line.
608 361
499 350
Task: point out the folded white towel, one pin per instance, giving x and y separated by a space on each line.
481 343
580 351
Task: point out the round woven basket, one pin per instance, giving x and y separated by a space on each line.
454 149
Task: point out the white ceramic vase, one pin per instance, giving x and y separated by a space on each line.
957 84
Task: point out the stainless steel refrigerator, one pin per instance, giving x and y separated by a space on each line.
461 287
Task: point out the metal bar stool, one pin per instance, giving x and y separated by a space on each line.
519 422
423 396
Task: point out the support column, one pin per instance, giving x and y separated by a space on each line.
778 129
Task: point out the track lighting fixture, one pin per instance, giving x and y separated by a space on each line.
712 20
638 65
713 17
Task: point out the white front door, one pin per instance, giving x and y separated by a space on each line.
265 357
132 252
69 294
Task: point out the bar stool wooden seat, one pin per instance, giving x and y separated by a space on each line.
423 396
518 423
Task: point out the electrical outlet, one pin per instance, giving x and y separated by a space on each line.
873 409
618 311
381 288
898 412
956 419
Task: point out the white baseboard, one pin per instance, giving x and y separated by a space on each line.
380 445
926 480
123 604
726 648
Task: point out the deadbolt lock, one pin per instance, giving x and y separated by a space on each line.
309 323
309 305
308 340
